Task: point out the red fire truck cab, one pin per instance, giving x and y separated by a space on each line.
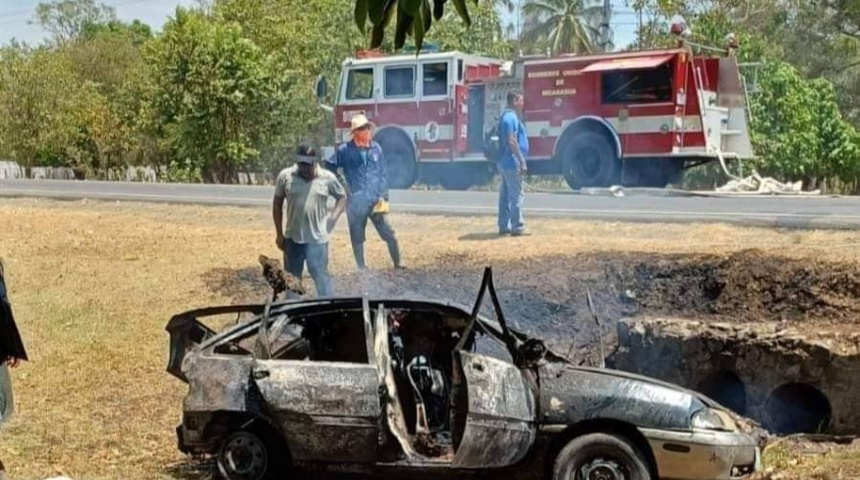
633 118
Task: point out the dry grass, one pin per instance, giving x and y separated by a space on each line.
93 285
800 460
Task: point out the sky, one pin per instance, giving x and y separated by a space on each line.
15 16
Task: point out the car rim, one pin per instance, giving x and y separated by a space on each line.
244 458
601 469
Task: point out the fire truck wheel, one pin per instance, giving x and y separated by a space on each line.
589 160
399 160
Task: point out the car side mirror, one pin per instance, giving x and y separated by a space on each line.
322 87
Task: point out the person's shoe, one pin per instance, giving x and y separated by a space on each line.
504 232
518 233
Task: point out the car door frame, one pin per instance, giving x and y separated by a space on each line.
495 415
326 411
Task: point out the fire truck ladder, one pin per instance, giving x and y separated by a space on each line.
708 113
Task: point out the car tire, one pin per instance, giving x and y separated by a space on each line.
610 456
252 455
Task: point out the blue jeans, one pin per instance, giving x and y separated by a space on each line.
358 211
511 201
316 256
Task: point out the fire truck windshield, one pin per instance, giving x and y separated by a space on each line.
359 84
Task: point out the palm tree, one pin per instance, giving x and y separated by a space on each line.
567 26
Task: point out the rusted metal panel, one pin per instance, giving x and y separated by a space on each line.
327 411
500 423
393 408
570 395
218 383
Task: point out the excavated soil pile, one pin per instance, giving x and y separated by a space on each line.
546 297
746 286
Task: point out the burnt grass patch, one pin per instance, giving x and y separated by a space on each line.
546 297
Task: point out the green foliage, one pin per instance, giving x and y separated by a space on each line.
41 101
485 35
218 94
408 18
564 26
798 131
229 88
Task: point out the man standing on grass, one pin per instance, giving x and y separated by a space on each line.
513 149
363 166
11 353
307 188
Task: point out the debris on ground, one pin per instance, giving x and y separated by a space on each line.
278 279
755 183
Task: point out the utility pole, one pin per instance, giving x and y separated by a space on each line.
605 31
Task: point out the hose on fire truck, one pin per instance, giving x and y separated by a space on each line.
754 184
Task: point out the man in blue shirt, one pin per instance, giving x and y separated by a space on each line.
513 149
363 167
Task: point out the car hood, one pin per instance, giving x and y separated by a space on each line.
648 380
571 394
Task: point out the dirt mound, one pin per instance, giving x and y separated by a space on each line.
546 297
746 286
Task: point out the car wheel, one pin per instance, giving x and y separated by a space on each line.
246 455
600 456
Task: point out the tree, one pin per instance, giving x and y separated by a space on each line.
485 36
414 18
798 132
66 20
566 25
40 98
217 95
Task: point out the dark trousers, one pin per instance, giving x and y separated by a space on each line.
316 257
357 214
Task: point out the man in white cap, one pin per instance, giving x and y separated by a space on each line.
306 189
363 167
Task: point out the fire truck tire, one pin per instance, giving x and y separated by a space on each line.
399 159
589 160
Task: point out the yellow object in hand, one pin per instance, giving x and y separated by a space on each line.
381 206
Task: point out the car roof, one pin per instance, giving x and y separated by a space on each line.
286 306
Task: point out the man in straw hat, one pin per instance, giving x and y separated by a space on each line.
11 353
306 189
363 166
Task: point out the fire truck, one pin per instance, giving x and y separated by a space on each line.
636 118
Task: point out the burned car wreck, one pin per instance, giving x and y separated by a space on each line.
413 386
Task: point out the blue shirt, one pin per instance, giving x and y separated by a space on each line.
509 123
364 169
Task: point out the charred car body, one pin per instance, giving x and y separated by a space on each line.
421 386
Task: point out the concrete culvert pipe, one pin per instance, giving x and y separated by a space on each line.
797 408
726 387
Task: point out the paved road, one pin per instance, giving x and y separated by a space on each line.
806 212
